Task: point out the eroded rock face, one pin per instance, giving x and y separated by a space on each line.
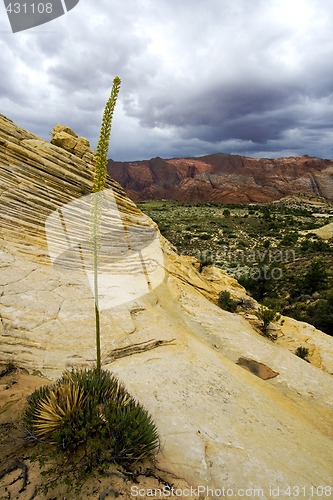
219 425
224 178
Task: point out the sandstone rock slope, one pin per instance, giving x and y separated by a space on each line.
220 424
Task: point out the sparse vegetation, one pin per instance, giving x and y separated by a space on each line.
315 278
302 352
267 316
226 302
266 247
9 368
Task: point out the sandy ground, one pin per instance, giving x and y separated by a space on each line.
21 478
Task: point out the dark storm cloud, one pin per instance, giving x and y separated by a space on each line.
197 77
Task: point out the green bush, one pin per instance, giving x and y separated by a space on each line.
258 282
267 315
308 245
302 352
289 239
318 313
316 277
91 412
226 302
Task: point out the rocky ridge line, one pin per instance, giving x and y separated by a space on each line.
224 178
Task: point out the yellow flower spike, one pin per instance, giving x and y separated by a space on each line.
101 156
101 159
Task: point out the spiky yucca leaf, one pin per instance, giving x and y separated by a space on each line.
60 403
101 385
32 409
136 433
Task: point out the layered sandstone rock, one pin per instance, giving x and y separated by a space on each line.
220 425
224 178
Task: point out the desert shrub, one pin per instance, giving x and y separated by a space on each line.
266 213
302 352
206 258
163 227
258 282
289 239
318 314
315 278
308 245
275 303
321 314
9 368
266 316
226 302
273 226
90 412
242 244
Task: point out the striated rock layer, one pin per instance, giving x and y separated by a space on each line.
224 178
220 424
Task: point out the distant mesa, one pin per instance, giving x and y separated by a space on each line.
224 178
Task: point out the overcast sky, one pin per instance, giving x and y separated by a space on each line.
249 77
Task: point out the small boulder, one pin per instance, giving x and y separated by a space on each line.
62 128
65 138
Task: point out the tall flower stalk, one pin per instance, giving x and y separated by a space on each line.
101 159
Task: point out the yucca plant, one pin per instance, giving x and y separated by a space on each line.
88 411
101 159
49 406
91 409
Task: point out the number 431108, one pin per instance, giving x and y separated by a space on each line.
29 8
311 492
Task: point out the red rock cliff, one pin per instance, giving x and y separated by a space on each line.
224 178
